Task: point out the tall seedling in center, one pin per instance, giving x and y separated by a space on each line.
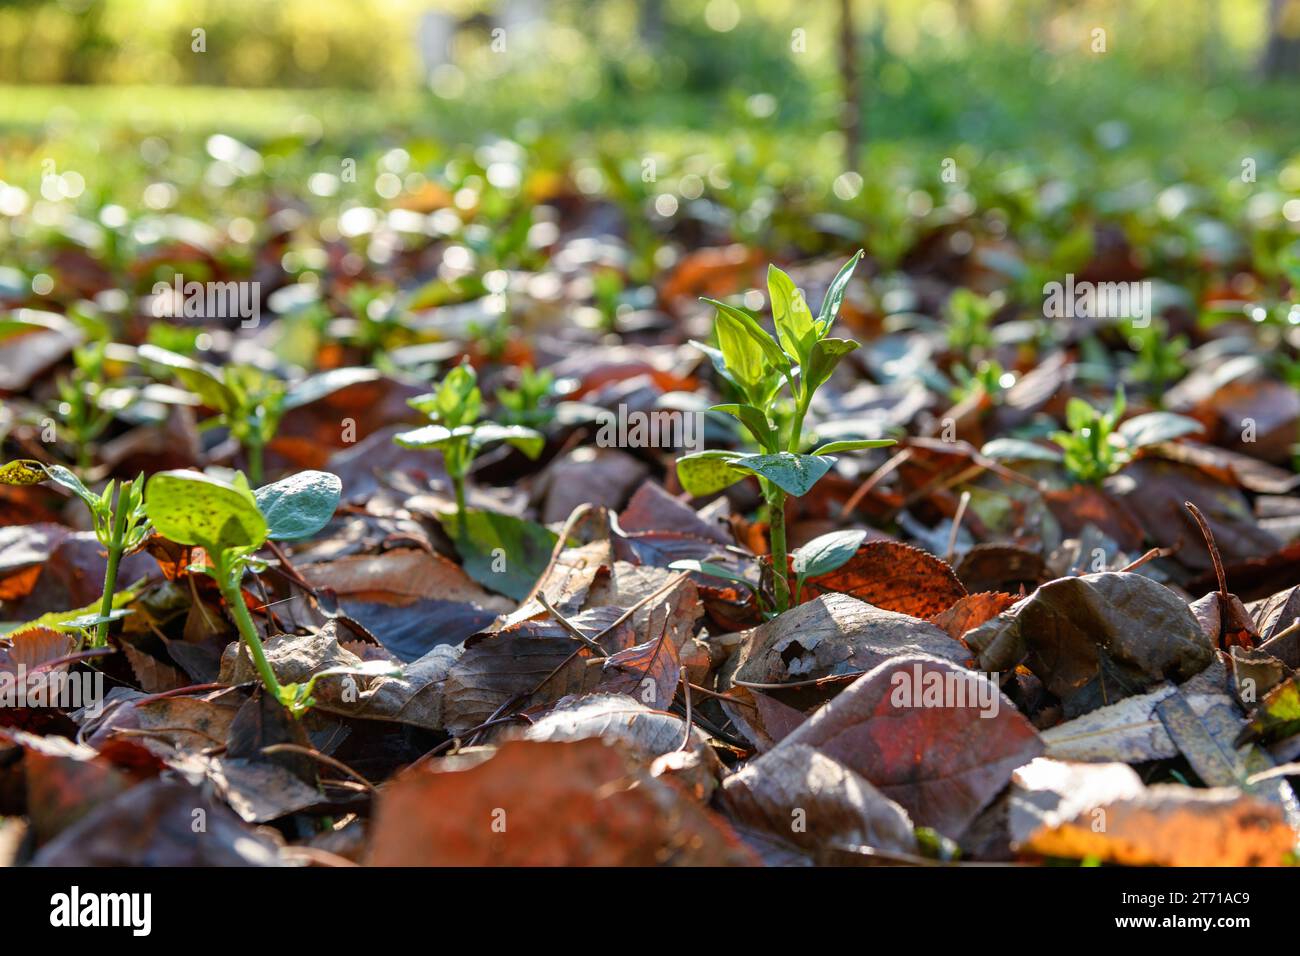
801 359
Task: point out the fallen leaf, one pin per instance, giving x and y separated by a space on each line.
801 795
1097 638
939 740
893 577
533 803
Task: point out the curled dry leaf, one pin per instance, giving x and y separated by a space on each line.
763 719
1046 794
532 662
1097 638
536 803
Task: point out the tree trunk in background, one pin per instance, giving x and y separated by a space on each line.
651 23
851 107
1282 51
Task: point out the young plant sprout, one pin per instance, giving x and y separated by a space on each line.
79 407
230 522
524 405
969 318
454 409
248 401
1097 444
759 368
120 526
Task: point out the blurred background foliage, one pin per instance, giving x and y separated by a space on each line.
738 105
995 71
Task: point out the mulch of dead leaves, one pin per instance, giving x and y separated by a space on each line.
1121 706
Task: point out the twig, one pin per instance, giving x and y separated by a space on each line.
570 523
1149 556
755 685
874 479
572 630
729 699
686 691
317 755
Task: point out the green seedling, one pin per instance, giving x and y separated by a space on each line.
988 378
457 432
79 406
760 369
231 522
525 405
248 401
1096 445
1159 358
1088 449
120 524
969 321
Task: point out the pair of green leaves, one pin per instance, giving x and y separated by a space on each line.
192 508
706 472
455 408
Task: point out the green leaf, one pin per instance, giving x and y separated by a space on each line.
771 350
191 508
793 474
199 379
56 619
706 472
835 294
1079 414
433 436
22 471
528 440
300 505
69 480
753 419
458 400
504 553
1155 427
790 313
1017 449
84 622
825 355
742 355
824 554
711 569
853 444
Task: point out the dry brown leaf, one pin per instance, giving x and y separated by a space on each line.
582 803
